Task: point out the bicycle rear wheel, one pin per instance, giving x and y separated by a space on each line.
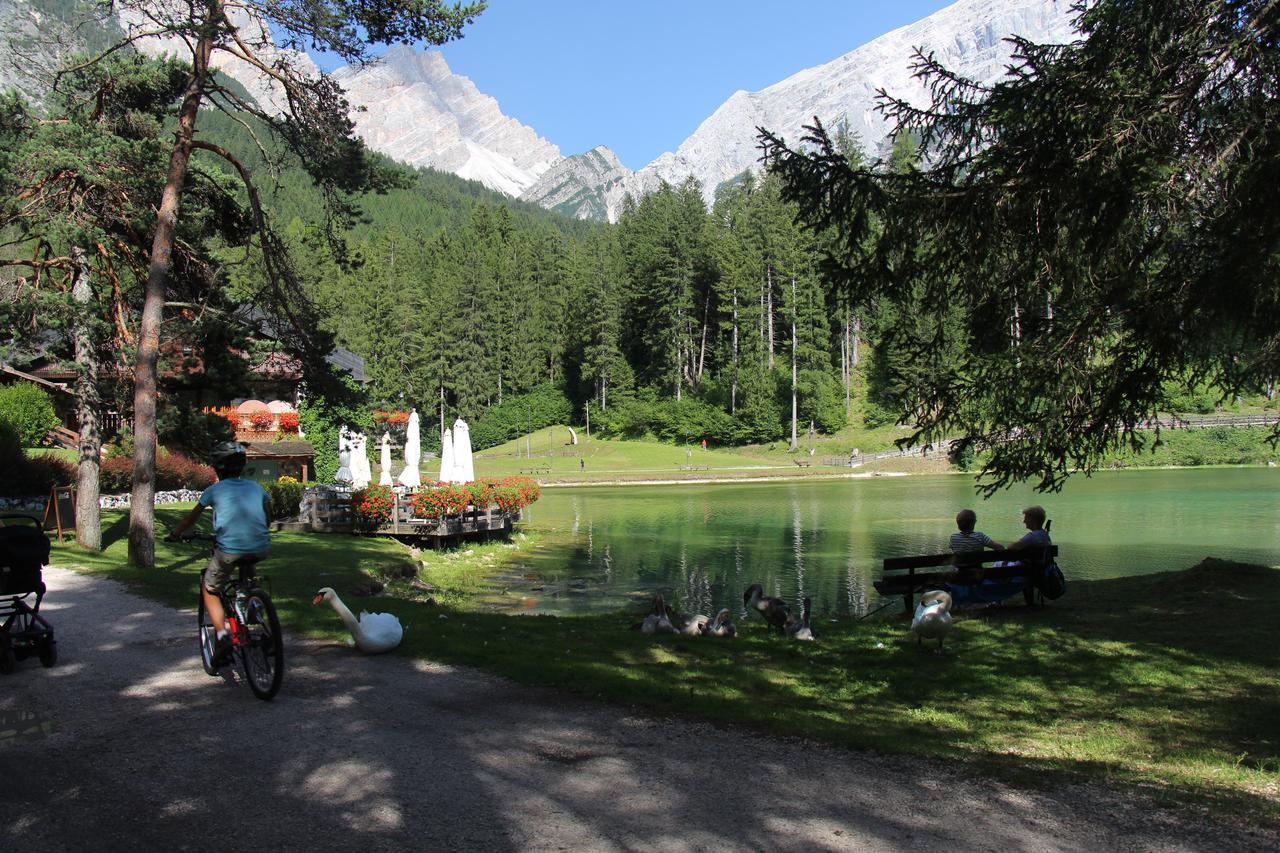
263 649
207 637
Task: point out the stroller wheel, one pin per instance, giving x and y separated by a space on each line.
48 652
8 663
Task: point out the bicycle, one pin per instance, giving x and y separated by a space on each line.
253 626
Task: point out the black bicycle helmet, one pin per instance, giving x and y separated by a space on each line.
227 458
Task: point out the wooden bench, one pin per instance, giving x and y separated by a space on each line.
802 463
906 581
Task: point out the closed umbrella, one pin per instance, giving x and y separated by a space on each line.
463 468
361 472
385 478
412 454
343 474
446 458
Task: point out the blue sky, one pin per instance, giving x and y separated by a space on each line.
641 75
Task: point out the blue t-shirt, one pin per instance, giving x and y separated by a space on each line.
1034 539
239 515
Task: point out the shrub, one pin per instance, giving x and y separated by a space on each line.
518 414
29 477
321 420
444 500
262 421
481 494
116 475
668 420
173 471
288 421
176 471
28 409
514 493
371 507
286 495
195 433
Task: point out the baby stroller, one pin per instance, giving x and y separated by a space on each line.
24 551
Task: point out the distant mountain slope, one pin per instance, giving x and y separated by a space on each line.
585 185
419 112
967 37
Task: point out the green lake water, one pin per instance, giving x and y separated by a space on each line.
610 548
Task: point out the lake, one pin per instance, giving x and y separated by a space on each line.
610 548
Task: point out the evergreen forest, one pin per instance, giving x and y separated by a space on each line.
677 322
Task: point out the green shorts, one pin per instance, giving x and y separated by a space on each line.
218 573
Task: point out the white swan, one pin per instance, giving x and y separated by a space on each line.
373 633
690 626
721 626
933 617
658 621
800 630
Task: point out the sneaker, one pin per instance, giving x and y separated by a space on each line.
222 650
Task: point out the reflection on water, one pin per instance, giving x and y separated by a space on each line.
606 549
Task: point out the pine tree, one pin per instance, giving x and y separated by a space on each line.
1101 218
315 124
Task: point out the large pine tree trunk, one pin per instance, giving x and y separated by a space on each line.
142 510
733 389
88 513
768 301
795 443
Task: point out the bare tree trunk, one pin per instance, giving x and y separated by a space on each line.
733 389
795 444
702 347
142 510
768 275
88 403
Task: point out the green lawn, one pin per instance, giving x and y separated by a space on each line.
613 460
1168 681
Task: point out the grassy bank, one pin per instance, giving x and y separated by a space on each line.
1167 681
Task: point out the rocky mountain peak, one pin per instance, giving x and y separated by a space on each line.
416 110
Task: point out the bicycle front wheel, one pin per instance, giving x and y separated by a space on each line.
263 648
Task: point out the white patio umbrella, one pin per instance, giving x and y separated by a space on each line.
463 468
384 479
446 458
412 454
361 472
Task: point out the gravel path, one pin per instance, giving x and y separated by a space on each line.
127 744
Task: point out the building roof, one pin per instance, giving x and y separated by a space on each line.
275 449
52 386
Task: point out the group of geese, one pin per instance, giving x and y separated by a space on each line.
374 633
663 619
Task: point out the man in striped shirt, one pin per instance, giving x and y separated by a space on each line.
967 540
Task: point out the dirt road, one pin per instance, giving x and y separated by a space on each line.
127 744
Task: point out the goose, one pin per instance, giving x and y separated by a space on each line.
799 629
658 621
690 626
932 620
373 633
720 626
774 611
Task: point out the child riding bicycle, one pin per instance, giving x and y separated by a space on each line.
240 515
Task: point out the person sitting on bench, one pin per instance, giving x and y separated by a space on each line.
1036 538
967 540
